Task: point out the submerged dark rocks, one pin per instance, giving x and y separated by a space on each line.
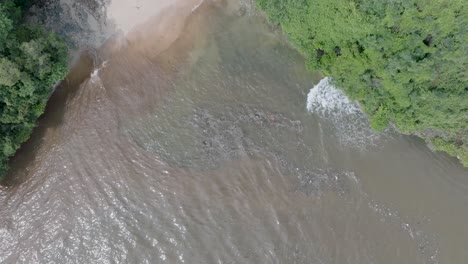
236 133
226 135
205 153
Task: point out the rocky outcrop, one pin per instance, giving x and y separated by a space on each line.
83 23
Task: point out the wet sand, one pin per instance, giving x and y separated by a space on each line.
186 139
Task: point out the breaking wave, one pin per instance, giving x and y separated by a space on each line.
349 124
325 99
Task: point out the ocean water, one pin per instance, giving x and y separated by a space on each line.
195 135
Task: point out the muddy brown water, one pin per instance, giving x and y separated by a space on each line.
189 141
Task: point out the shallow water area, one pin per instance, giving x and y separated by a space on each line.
191 139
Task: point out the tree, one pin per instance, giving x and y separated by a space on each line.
404 61
31 62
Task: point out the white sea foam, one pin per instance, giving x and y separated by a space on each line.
95 73
198 5
350 124
426 243
325 99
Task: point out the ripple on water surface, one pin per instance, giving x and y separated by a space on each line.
202 152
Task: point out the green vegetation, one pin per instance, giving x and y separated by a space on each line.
404 61
31 63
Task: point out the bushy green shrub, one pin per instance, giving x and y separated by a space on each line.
404 61
31 63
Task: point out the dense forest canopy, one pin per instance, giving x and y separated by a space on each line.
404 61
31 62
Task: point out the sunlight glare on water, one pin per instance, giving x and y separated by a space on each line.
187 140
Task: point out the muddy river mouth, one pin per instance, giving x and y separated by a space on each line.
196 135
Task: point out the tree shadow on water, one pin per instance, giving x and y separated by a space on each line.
51 119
